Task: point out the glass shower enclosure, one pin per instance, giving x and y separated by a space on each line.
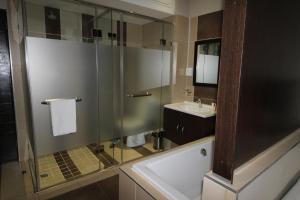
116 65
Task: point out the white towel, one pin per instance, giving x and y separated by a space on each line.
63 116
136 140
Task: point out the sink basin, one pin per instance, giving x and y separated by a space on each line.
193 109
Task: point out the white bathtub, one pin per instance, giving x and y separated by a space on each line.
179 173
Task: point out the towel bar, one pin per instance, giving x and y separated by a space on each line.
46 102
139 95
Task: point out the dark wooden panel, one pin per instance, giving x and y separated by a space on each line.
205 92
210 25
270 83
258 97
182 128
87 27
172 121
52 22
8 136
228 88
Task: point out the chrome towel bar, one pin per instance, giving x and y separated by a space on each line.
47 102
139 95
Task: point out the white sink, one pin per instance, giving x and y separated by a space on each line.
193 108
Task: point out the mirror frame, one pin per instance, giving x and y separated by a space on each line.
197 43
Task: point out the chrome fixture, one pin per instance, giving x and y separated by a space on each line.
199 102
47 102
139 95
203 152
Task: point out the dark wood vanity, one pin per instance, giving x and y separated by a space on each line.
182 128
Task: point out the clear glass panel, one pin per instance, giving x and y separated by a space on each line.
108 63
167 69
63 19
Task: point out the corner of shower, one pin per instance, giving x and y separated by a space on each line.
109 61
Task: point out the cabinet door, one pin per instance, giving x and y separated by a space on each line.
195 128
172 122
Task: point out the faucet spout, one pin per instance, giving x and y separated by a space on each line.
199 103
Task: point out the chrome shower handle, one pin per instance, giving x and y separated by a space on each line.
139 95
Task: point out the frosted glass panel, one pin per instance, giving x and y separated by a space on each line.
200 68
211 69
144 66
207 69
145 70
62 69
109 92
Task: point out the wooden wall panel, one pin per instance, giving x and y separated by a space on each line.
8 134
269 106
258 96
210 25
228 89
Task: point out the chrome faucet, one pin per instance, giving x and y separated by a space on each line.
199 103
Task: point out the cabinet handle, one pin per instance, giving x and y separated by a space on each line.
182 130
177 128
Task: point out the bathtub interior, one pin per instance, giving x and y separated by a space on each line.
179 173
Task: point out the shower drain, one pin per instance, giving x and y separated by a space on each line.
44 175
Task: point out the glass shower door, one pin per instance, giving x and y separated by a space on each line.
108 61
146 74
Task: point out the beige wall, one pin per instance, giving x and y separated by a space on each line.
134 35
202 7
152 33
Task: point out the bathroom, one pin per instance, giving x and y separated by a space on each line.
136 84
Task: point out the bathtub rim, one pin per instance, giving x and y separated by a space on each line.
151 189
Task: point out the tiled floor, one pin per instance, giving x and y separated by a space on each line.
149 146
116 153
85 160
13 187
50 173
67 165
129 153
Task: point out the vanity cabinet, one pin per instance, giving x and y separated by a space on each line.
182 128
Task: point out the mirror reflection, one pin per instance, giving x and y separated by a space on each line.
206 65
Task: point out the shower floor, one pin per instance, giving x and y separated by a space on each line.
66 165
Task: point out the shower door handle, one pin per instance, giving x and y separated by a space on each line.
139 95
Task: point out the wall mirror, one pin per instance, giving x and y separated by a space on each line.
206 64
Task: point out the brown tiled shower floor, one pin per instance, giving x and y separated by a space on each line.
67 165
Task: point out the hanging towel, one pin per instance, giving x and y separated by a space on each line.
135 140
63 116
